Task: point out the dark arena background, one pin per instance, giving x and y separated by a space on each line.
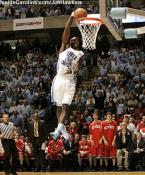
110 89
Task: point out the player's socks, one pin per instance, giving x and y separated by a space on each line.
65 133
54 135
60 126
57 131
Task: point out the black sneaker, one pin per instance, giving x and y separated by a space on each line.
120 169
53 135
7 173
126 169
114 168
105 168
14 173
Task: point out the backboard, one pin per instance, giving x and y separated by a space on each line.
114 26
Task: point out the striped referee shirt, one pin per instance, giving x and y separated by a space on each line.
7 130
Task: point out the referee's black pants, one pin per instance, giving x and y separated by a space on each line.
11 155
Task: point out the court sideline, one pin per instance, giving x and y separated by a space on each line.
82 173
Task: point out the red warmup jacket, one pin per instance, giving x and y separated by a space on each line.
55 147
85 146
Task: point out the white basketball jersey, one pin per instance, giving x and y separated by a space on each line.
67 61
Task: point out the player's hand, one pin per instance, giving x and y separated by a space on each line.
82 153
68 152
1 136
72 14
138 150
100 141
106 143
64 152
124 150
113 144
92 142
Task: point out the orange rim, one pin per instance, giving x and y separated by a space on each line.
96 20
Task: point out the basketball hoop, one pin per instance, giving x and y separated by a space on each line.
89 27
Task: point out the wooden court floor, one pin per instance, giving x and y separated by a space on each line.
79 173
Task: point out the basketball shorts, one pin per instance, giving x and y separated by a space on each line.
62 90
54 156
84 156
97 151
109 151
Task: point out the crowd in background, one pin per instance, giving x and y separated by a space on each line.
30 11
117 85
26 74
114 99
25 81
128 3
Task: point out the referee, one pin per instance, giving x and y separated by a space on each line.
8 131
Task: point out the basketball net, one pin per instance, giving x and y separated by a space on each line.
89 28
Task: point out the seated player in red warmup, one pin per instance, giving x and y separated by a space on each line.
54 152
28 153
95 129
20 148
84 150
141 124
72 130
109 132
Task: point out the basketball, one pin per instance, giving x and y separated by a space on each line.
80 13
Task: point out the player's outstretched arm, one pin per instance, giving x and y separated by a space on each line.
66 33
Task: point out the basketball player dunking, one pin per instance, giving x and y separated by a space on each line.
64 83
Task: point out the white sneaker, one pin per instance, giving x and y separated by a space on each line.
55 135
65 134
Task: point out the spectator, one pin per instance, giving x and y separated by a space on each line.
137 153
26 109
120 107
129 122
141 124
20 106
13 108
31 96
87 117
131 125
110 105
139 111
70 154
72 128
17 121
124 141
99 102
90 104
